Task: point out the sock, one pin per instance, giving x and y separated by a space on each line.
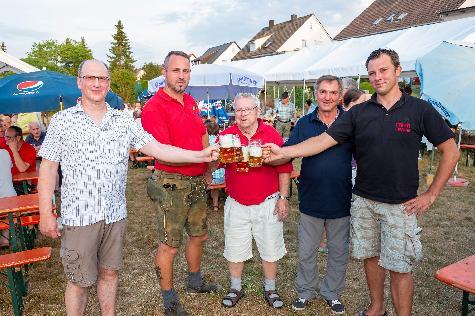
169 298
194 279
269 285
236 283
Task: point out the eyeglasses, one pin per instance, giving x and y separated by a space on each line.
242 111
9 137
92 79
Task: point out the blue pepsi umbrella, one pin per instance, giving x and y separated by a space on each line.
447 76
42 91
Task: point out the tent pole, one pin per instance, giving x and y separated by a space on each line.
207 107
303 98
295 93
265 95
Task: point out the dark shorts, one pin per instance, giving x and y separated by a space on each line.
86 249
181 204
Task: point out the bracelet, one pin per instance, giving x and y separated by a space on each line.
284 197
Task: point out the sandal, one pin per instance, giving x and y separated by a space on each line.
273 299
232 297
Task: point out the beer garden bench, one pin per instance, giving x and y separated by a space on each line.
461 275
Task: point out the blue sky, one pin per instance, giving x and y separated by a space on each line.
156 27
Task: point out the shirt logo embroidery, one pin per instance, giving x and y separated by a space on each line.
403 127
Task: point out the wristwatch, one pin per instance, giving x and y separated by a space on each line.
284 197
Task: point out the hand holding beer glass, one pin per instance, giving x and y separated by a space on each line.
255 153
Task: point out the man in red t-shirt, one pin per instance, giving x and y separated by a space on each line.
23 155
178 190
256 206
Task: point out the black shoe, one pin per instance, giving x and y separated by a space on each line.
205 287
176 310
336 306
300 304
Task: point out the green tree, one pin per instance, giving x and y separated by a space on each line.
61 57
3 47
151 71
44 54
121 53
72 53
122 83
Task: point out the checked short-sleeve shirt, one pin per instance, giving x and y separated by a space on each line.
93 162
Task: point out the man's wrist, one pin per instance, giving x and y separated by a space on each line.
284 197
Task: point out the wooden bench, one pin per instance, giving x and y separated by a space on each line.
469 149
13 264
461 275
145 161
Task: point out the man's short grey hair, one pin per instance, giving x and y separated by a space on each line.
246 95
176 53
81 65
349 83
328 78
33 123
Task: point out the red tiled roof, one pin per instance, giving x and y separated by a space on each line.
279 34
419 12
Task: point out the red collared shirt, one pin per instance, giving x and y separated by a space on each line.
253 187
27 154
175 124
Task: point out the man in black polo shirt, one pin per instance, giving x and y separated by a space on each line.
387 131
324 201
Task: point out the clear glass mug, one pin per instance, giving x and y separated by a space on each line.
226 148
255 153
243 166
237 148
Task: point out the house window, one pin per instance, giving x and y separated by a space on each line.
304 43
252 46
401 16
390 18
377 21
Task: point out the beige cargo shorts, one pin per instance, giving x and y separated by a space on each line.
181 204
385 230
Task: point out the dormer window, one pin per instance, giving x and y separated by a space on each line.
377 21
401 16
390 18
267 44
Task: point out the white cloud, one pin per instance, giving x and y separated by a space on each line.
156 27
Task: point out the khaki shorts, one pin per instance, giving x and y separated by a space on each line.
283 128
85 249
181 203
384 230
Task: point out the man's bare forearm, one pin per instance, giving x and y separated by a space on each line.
170 154
284 184
20 164
449 158
46 185
309 147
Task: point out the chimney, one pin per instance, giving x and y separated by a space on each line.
271 24
293 17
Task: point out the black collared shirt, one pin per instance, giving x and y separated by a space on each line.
325 179
387 145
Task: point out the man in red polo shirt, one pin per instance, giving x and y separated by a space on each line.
178 190
256 206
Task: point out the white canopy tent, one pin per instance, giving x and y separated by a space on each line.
13 64
347 58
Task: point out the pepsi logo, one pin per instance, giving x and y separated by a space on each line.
29 86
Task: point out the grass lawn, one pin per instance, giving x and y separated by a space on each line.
448 236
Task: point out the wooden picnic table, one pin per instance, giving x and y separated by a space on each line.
460 275
24 177
469 148
15 205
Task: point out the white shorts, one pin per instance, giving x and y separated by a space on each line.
242 222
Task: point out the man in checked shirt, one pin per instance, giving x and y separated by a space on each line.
92 141
284 114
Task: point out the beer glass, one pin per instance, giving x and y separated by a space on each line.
243 166
255 153
226 149
237 148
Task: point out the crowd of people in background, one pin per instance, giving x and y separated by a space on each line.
342 187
